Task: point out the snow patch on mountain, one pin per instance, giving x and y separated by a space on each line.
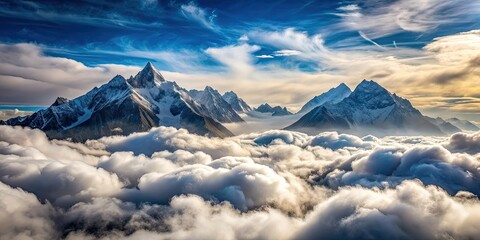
369 108
332 96
236 102
137 104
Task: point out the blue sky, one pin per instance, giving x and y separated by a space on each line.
293 49
96 32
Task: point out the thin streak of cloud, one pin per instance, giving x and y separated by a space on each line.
286 52
386 18
200 15
59 15
370 40
264 56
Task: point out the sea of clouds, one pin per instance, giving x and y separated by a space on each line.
170 184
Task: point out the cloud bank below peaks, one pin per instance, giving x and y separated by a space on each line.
168 183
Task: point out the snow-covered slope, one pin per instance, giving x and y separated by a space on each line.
276 111
236 102
463 124
332 96
370 107
445 126
124 106
215 106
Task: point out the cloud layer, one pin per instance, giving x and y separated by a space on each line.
168 183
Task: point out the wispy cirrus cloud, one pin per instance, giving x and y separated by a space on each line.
438 69
379 19
369 40
195 13
93 14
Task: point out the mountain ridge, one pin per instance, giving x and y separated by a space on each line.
276 111
334 95
237 103
146 100
369 106
123 106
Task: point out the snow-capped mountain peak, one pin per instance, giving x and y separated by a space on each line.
236 102
215 105
372 95
334 95
124 106
60 101
369 106
147 78
463 124
276 111
369 87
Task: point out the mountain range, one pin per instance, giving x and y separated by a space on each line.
275 111
369 108
123 106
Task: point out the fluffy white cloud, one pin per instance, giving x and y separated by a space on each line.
409 211
277 184
458 48
34 143
22 216
445 70
238 58
61 184
464 142
171 139
288 137
240 181
7 114
335 141
26 71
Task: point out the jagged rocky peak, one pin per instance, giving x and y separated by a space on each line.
133 105
237 103
463 124
215 105
60 101
370 87
373 95
231 95
212 91
264 108
341 87
118 80
147 78
276 111
369 106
